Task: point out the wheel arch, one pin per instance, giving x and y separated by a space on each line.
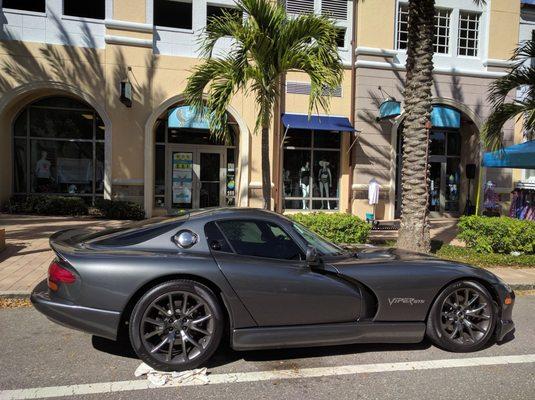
481 281
132 301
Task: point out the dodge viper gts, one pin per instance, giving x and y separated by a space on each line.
177 286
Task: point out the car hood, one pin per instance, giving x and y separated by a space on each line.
393 275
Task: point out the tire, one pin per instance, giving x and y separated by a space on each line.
462 318
198 325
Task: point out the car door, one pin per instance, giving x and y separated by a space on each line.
266 268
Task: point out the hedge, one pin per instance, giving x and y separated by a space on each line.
119 209
485 260
339 228
47 205
497 234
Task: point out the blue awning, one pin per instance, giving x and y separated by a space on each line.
317 122
389 109
445 117
516 156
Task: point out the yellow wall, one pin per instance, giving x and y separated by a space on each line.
130 10
504 26
375 23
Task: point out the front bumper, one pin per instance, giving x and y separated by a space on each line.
91 320
505 322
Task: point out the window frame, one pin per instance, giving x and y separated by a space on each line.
25 12
256 220
172 28
80 18
310 199
94 141
477 31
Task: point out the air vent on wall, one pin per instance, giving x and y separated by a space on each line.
304 88
334 8
299 6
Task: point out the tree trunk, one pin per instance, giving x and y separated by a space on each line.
414 229
266 168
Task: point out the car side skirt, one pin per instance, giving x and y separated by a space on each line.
327 334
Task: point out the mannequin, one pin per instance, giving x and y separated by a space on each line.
304 183
325 182
42 171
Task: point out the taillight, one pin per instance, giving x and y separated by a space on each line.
59 274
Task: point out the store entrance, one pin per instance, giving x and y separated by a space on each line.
444 173
197 176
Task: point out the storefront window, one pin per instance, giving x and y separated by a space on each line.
311 170
207 156
57 149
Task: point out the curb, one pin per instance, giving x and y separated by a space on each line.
26 295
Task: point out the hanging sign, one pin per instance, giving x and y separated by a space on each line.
389 109
182 177
185 117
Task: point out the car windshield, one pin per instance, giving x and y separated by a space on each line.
323 247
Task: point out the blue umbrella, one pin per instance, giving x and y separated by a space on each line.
516 156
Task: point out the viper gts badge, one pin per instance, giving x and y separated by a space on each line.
405 300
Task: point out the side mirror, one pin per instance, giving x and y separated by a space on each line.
312 257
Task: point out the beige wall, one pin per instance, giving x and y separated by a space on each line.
130 10
504 26
375 23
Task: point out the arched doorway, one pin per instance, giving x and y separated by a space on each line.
454 155
59 149
192 169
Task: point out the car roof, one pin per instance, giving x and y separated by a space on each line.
234 212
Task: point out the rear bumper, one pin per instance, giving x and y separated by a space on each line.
91 320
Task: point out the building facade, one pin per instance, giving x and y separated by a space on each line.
68 125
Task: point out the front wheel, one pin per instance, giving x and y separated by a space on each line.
176 325
462 318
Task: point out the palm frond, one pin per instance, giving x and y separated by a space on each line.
492 132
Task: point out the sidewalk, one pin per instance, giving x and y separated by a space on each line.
27 256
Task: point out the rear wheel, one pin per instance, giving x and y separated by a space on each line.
462 318
176 325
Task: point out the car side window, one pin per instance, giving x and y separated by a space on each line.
215 239
260 239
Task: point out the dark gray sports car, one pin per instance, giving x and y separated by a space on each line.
178 285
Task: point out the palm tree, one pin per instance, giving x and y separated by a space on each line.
266 45
414 228
521 76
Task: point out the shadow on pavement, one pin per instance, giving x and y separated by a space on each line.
226 355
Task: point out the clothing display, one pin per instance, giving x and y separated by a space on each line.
324 182
523 204
304 183
491 199
373 191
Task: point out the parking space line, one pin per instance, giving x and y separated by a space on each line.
240 377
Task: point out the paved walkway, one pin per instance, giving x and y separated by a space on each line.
27 256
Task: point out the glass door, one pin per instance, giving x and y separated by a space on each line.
182 179
212 178
197 175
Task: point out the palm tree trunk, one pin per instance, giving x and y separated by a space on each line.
414 228
266 168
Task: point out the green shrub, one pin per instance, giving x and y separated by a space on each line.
485 260
119 209
47 205
497 234
338 227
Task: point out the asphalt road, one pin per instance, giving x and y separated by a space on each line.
35 353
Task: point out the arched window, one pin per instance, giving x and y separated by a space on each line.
59 149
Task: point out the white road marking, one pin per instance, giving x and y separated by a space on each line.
122 386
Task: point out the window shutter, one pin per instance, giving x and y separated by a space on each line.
334 9
304 88
299 6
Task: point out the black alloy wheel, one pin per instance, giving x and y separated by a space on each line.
176 325
462 318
